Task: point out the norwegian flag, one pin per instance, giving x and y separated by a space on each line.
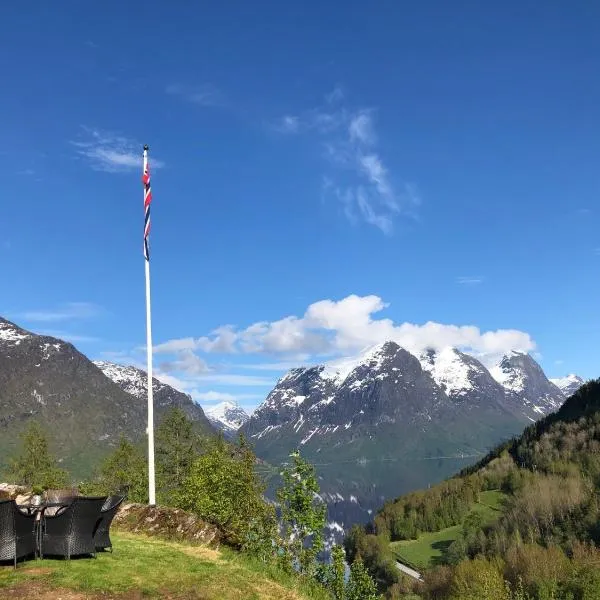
147 202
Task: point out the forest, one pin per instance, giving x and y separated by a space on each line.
543 543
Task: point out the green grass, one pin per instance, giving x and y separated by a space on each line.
428 549
144 567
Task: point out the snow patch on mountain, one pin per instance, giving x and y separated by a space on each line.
372 357
507 376
132 380
12 334
569 384
227 416
449 370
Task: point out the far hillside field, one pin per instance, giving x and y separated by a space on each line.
428 548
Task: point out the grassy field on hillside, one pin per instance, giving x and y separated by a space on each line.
144 567
428 548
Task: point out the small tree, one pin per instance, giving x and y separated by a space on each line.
176 448
302 514
224 488
337 580
125 468
36 465
360 585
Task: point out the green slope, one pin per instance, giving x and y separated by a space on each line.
428 549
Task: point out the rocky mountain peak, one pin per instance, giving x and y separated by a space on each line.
134 381
522 377
227 416
569 384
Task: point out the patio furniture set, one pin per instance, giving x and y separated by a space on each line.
67 526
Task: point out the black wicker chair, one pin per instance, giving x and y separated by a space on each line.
71 531
109 510
17 532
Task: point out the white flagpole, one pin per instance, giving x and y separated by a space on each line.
151 476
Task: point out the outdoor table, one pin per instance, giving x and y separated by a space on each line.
38 510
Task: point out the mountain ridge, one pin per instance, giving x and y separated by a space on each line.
49 380
356 416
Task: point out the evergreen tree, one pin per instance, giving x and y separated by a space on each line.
125 468
360 585
176 448
302 514
36 465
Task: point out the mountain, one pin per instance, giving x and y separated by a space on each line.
568 385
134 381
527 387
49 380
228 417
388 422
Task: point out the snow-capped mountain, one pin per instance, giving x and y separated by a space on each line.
134 381
527 387
569 384
387 421
227 416
48 380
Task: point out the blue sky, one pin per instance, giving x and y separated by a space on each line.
325 175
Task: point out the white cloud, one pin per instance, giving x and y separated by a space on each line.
68 312
111 153
469 280
185 362
335 328
360 182
204 95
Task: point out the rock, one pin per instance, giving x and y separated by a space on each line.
10 491
168 523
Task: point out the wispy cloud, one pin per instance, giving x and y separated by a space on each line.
26 172
234 379
273 366
469 280
203 95
214 397
360 181
287 124
111 153
68 312
69 337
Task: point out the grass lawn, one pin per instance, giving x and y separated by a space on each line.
428 548
144 567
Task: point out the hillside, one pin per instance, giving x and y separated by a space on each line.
547 481
49 380
389 421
